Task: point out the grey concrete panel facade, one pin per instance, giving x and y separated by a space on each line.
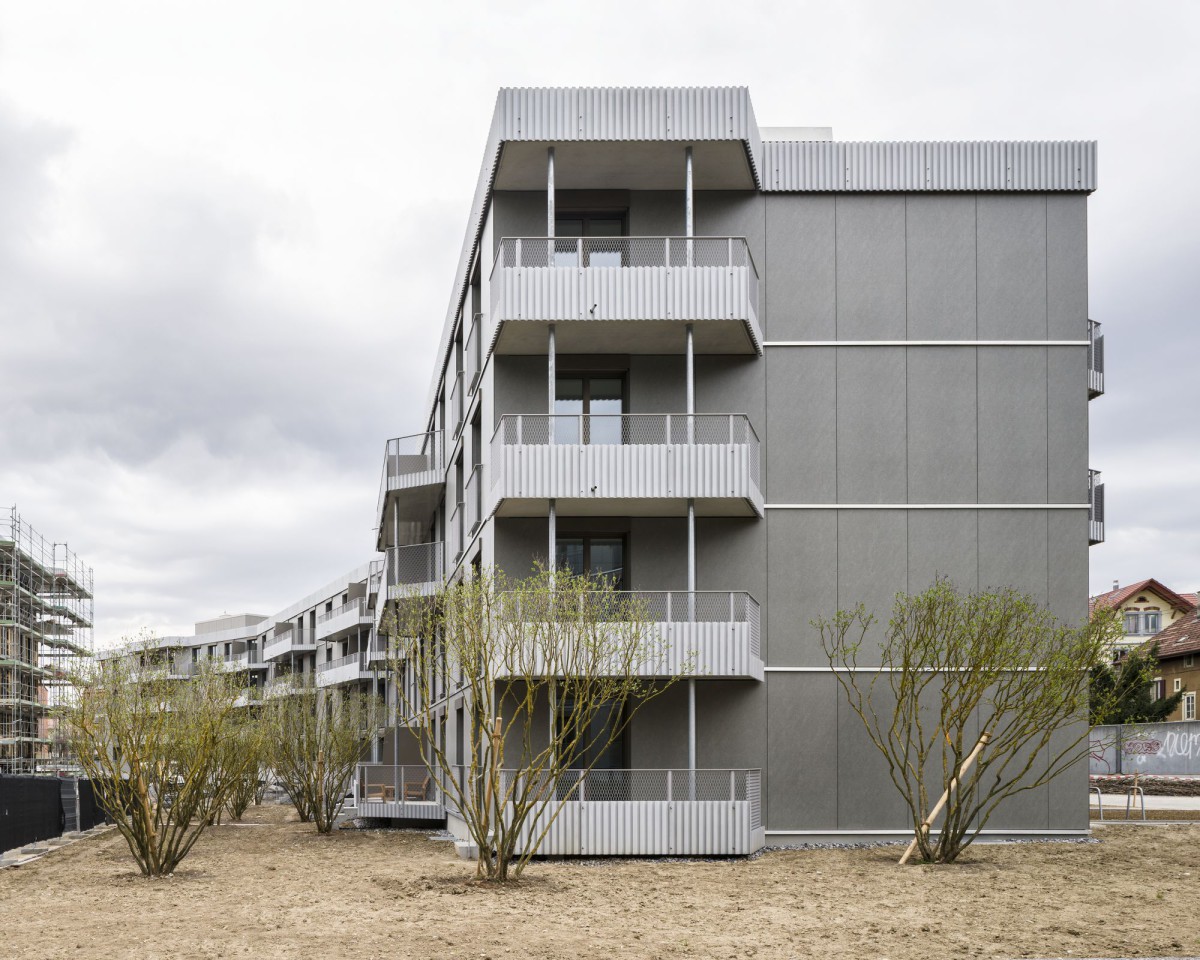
941 260
801 270
871 431
802 751
1012 267
870 268
1012 425
802 583
1066 267
943 436
801 425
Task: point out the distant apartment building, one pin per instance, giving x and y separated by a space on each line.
323 639
753 375
45 630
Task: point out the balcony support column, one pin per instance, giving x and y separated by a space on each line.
691 684
550 197
689 211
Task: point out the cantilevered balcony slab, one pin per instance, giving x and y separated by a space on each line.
701 634
625 295
343 620
413 481
289 641
625 465
349 669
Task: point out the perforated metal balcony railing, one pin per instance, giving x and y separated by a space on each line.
1095 508
1095 360
714 459
666 279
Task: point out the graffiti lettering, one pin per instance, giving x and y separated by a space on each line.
1141 748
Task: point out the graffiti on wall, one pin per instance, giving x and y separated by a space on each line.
1165 748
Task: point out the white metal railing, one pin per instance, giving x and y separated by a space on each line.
359 604
1095 359
418 563
628 429
623 252
358 658
614 257
474 500
1095 507
667 606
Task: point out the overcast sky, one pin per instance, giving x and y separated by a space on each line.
224 260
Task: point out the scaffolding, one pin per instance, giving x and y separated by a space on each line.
45 633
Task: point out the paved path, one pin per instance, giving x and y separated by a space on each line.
1152 803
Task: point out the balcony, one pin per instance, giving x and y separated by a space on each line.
347 669
648 813
397 791
646 288
287 639
413 477
626 465
1095 508
1095 360
415 570
344 619
705 634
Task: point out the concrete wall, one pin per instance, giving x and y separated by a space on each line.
1168 749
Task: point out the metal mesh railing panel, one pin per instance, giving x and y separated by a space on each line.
536 429
619 252
359 605
417 563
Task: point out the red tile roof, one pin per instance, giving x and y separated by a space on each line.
1114 598
1179 639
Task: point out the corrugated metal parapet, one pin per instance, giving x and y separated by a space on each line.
838 166
626 113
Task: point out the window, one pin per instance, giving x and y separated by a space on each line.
1151 621
1189 706
1177 685
1133 622
598 557
1190 660
583 235
590 407
1156 688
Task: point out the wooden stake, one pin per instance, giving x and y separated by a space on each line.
937 807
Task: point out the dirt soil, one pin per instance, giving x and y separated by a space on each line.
273 888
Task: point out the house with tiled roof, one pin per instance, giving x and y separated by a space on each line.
1178 651
1146 607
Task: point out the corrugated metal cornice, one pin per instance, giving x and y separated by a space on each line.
832 165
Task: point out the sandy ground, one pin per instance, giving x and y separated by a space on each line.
273 888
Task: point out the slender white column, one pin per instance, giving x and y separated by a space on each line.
689 206
550 194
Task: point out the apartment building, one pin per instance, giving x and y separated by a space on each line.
756 375
45 630
325 638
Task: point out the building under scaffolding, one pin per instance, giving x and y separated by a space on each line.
45 631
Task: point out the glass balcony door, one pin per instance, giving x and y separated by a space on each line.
593 251
588 409
601 558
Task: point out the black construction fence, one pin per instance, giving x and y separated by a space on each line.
39 808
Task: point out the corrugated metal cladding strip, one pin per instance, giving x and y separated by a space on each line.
626 113
833 165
